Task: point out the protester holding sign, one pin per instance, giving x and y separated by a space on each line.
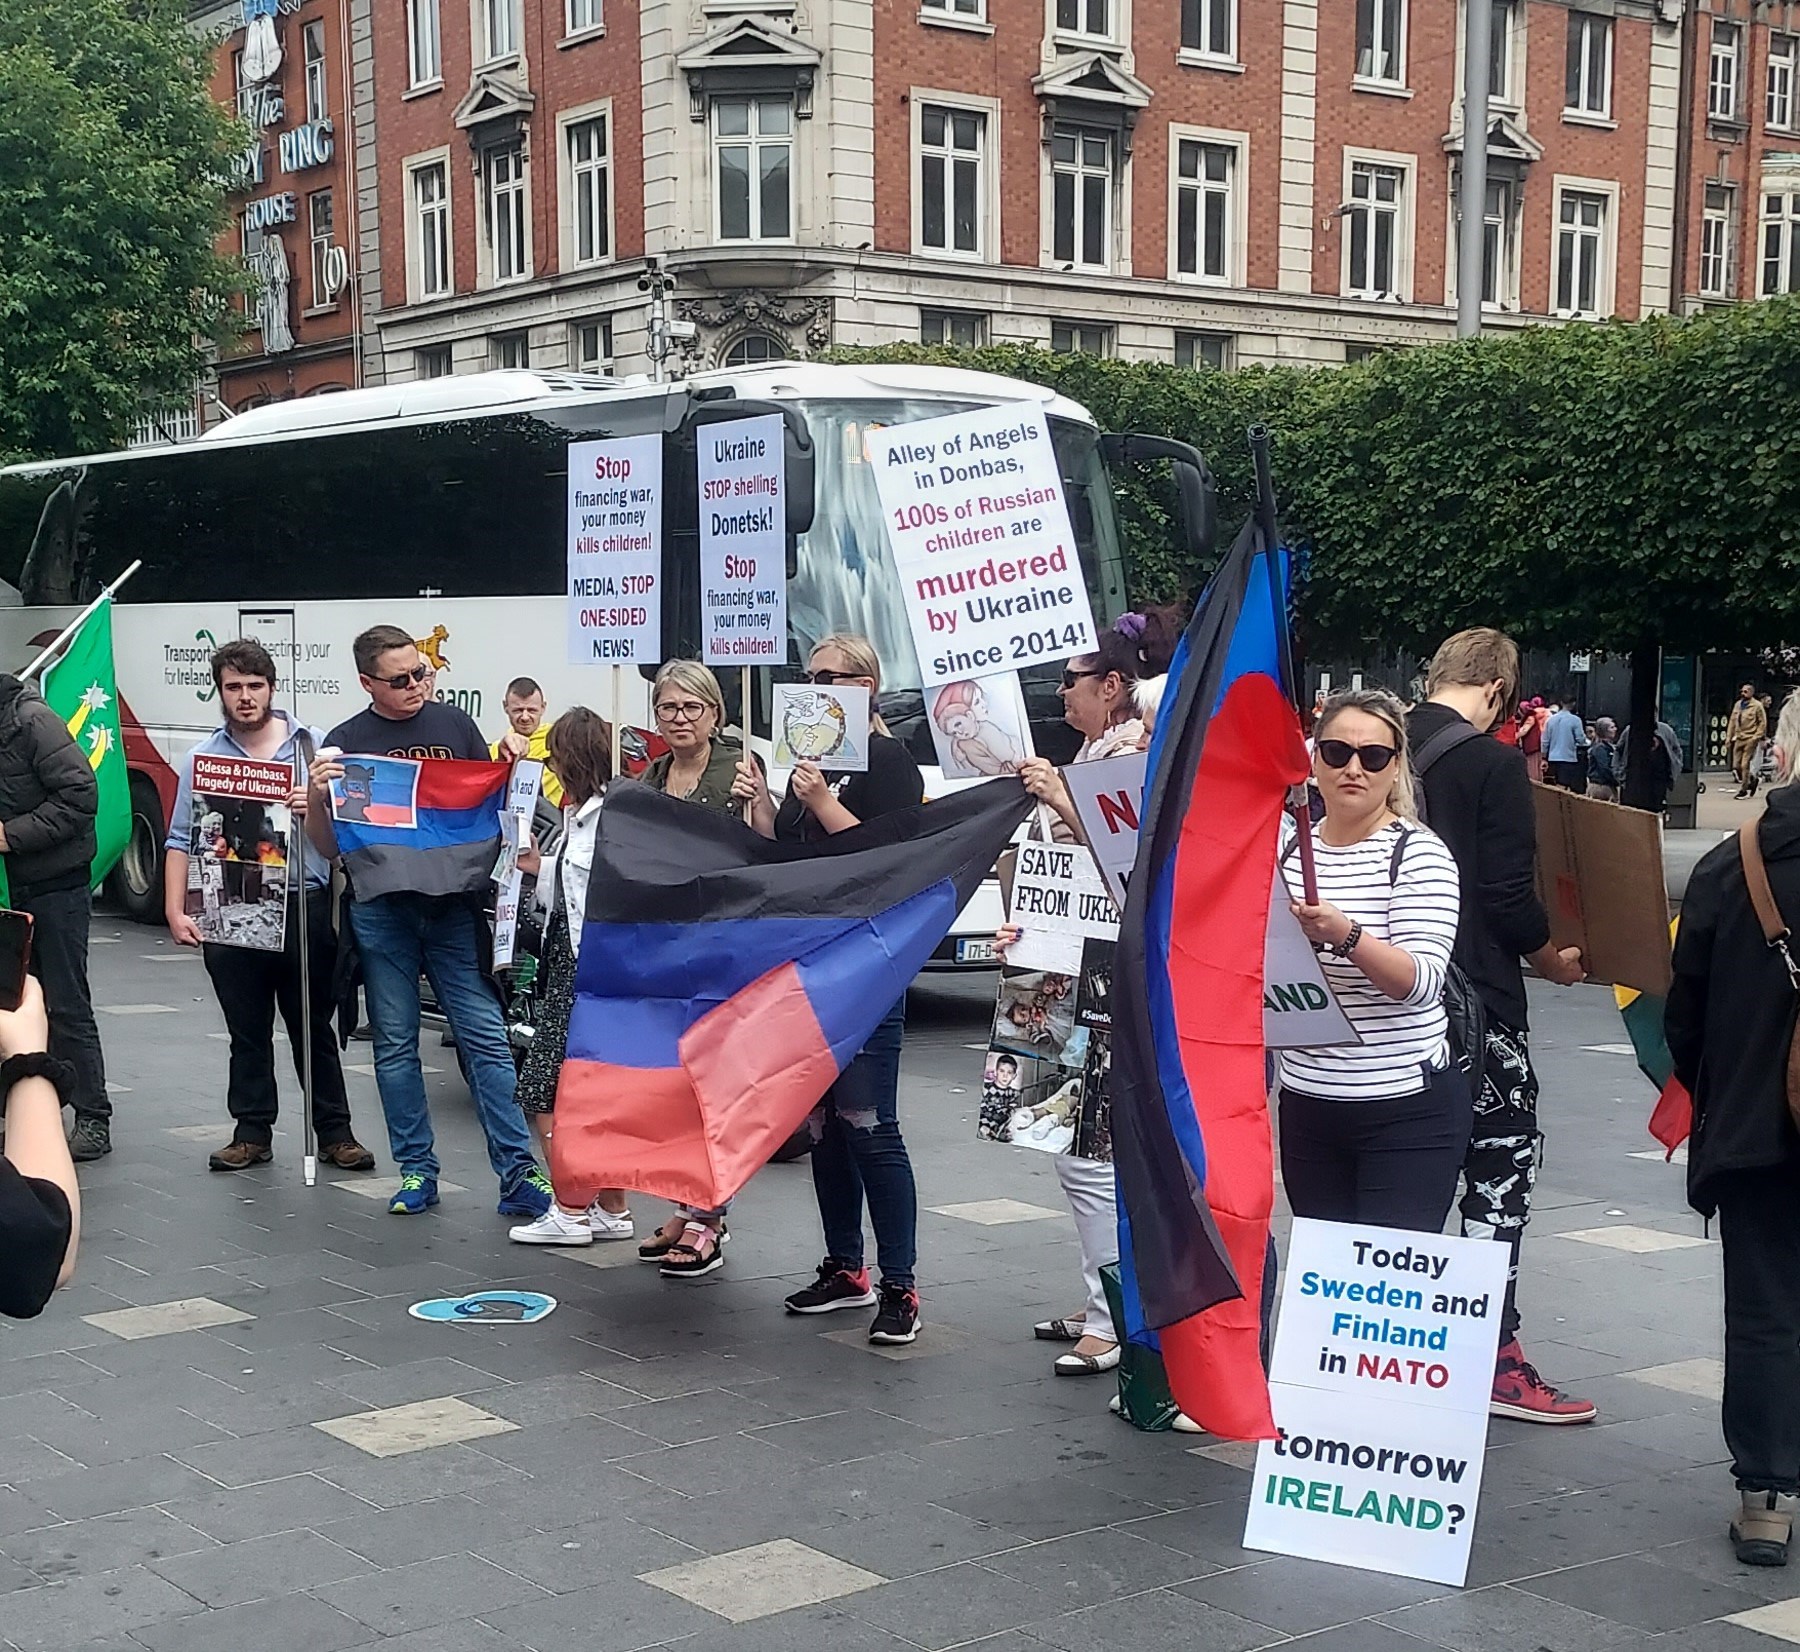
252 983
1375 1131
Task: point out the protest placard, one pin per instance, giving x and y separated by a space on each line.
1600 877
1107 794
238 851
743 541
980 532
828 726
615 551
980 727
1058 900
522 790
1382 1372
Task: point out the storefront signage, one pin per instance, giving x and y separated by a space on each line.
304 146
270 210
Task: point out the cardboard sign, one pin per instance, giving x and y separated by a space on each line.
827 726
1058 901
1600 877
979 727
1107 794
743 541
615 551
981 538
522 790
238 840
1383 1367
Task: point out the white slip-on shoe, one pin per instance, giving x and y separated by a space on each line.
605 1225
555 1227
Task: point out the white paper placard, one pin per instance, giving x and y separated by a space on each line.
979 726
1059 900
1107 794
743 541
1383 1367
522 788
615 551
981 538
828 726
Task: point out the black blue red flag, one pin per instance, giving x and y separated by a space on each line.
724 980
1191 1138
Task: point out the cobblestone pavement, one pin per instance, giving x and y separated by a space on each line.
229 1433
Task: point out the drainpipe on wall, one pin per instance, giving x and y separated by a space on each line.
1684 158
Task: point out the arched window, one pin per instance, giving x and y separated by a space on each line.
752 349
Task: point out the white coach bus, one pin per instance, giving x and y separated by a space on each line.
440 506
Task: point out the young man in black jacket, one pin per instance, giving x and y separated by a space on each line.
1478 800
48 799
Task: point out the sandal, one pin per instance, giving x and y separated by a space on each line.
1060 1330
692 1257
661 1242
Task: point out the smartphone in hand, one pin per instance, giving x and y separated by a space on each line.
15 957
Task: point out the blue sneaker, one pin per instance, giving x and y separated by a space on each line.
531 1197
416 1195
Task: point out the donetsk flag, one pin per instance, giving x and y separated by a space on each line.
726 980
1190 1116
431 826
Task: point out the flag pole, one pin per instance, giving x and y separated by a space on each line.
617 726
55 648
1284 644
744 718
302 946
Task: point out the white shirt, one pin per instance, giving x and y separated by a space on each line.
570 866
1413 907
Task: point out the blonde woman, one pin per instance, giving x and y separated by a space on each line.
1375 1132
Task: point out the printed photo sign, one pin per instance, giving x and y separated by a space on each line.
743 541
378 791
828 726
615 551
979 726
238 851
515 831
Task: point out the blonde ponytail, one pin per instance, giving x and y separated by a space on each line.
863 662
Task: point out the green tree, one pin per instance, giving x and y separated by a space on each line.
114 166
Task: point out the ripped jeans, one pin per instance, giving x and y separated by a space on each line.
858 1152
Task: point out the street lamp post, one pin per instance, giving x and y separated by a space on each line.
1472 199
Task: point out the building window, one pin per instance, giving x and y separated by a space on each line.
510 349
431 228
753 349
1373 220
1092 18
1504 19
312 53
1355 354
432 362
954 8
319 218
965 328
591 346
1587 68
1381 41
503 177
1722 72
246 91
753 172
1715 242
1497 262
581 16
1081 338
590 199
1209 27
1782 52
424 44
1781 243
1580 253
951 146
500 28
1203 350
1081 192
1204 176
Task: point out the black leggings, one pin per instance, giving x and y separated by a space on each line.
1389 1163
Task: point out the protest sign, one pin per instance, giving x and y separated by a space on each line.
979 727
615 551
1058 900
827 726
522 789
1107 794
1600 877
238 851
743 541
1382 1372
980 532
377 791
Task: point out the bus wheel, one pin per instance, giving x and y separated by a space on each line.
136 883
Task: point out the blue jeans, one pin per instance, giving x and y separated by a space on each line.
398 936
858 1152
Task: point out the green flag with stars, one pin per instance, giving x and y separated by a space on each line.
81 689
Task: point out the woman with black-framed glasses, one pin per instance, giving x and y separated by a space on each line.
1375 1131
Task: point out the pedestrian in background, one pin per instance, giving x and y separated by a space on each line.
1744 732
48 800
1565 749
1602 775
527 734
251 984
1532 718
1730 1022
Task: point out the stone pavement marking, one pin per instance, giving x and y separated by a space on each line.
993 1213
762 1580
1609 1049
1780 1620
1638 1241
161 1319
384 1187
138 1009
1704 1378
396 1430
367 1068
933 1339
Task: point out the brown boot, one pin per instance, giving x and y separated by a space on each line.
347 1154
1761 1529
240 1155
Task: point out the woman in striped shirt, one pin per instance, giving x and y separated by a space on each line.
1375 1131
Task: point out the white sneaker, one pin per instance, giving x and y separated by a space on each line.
604 1225
555 1227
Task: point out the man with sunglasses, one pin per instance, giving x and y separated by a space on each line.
1478 800
401 936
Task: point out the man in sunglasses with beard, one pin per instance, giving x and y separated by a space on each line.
1478 800
400 936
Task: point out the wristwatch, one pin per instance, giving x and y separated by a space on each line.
1347 945
36 1064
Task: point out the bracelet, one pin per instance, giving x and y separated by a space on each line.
36 1064
1348 945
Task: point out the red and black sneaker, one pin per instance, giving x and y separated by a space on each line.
835 1287
897 1320
1521 1393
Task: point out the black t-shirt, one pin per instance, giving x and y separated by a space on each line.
34 1237
436 729
892 781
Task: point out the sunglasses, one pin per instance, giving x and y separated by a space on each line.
406 678
825 679
1071 678
1336 754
